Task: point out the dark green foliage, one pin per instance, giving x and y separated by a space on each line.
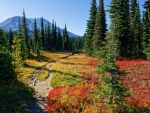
146 29
100 28
42 33
120 11
10 39
17 53
49 39
37 41
23 46
90 29
133 5
53 36
6 67
65 39
25 34
137 32
60 42
56 38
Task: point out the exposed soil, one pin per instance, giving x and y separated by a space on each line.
41 91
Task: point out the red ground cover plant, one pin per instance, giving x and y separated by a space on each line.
137 80
90 78
70 99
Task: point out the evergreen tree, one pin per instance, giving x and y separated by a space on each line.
6 67
56 38
146 29
10 39
25 34
42 33
133 5
23 47
59 40
120 9
49 40
17 53
53 35
36 39
90 29
137 32
100 28
65 38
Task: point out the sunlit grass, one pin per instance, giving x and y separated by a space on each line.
35 62
66 72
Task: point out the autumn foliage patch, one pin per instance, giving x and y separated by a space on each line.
70 99
137 81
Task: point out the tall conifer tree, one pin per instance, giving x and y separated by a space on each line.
137 31
25 34
65 38
90 29
36 39
42 33
146 29
100 28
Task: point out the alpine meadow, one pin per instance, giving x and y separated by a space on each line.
48 67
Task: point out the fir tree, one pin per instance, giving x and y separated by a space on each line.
65 38
146 29
25 34
56 38
133 5
17 53
90 29
23 46
42 33
53 35
36 39
6 67
120 9
59 40
49 40
137 32
100 28
10 39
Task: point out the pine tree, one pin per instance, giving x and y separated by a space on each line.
42 33
49 40
100 28
6 67
90 29
10 39
53 35
120 9
23 46
36 39
17 53
59 40
65 38
137 31
25 34
146 29
133 5
56 38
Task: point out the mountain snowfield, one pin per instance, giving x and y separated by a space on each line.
13 24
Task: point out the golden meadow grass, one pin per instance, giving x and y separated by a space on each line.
37 61
66 72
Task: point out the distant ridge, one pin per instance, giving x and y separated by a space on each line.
13 24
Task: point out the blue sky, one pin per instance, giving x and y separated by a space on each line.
74 13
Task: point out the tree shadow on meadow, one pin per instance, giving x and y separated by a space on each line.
13 95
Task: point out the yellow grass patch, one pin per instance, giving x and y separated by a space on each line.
66 72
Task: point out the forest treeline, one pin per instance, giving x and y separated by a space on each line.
129 32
